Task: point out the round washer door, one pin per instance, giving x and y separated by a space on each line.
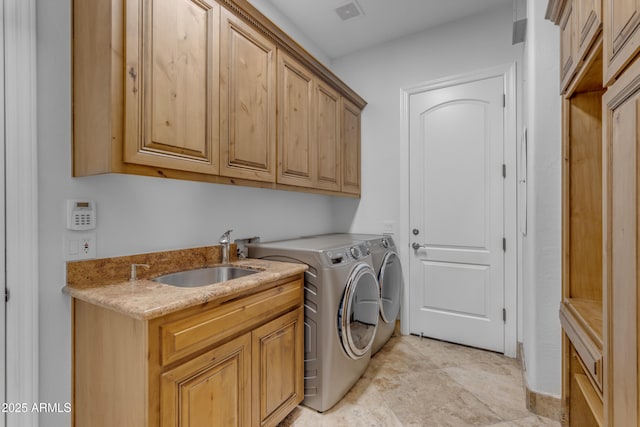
358 314
391 283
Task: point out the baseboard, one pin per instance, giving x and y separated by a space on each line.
538 403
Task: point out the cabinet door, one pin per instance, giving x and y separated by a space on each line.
621 38
278 368
211 390
567 45
350 140
588 24
621 238
295 123
248 102
171 85
327 138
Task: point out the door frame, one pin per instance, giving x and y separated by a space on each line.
508 72
21 220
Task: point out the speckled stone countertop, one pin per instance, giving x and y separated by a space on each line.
104 282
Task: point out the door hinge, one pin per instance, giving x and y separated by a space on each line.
504 244
504 170
6 295
504 100
504 315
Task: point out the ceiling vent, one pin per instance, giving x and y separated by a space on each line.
349 10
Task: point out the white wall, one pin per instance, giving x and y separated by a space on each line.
135 214
541 271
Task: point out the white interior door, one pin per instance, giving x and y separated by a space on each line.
456 137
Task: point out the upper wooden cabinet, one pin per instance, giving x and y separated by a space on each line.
171 86
350 148
188 89
296 121
621 36
580 23
247 102
308 128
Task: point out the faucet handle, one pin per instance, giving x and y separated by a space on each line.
226 237
134 272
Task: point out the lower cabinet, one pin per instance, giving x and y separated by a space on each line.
210 390
203 366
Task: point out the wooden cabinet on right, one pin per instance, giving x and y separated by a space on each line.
621 239
600 304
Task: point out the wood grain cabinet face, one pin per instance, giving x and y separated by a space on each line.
350 140
621 234
621 35
172 85
327 137
296 144
278 383
567 44
210 390
588 24
248 102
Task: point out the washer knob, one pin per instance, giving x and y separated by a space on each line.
355 251
385 243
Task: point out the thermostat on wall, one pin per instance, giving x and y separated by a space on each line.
81 215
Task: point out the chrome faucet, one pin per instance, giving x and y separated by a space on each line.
225 241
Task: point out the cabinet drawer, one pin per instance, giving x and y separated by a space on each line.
589 353
185 336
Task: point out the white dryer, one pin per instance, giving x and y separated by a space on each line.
386 264
341 311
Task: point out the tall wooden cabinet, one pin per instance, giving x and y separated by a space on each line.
207 90
600 298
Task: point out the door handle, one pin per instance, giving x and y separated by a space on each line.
416 246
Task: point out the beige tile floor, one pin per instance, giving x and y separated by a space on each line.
423 382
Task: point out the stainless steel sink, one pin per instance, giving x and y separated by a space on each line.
204 276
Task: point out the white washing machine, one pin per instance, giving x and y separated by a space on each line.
386 264
340 315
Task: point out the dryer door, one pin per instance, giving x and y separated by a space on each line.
391 283
358 314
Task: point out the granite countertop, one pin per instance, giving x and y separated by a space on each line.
145 299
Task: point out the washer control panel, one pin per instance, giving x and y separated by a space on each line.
348 254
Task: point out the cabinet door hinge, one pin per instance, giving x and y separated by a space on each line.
504 244
504 100
504 315
504 170
6 295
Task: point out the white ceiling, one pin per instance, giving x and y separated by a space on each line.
383 20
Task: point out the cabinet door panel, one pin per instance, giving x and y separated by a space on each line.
621 38
295 119
621 235
210 390
172 86
327 137
567 44
588 24
350 148
248 102
277 368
